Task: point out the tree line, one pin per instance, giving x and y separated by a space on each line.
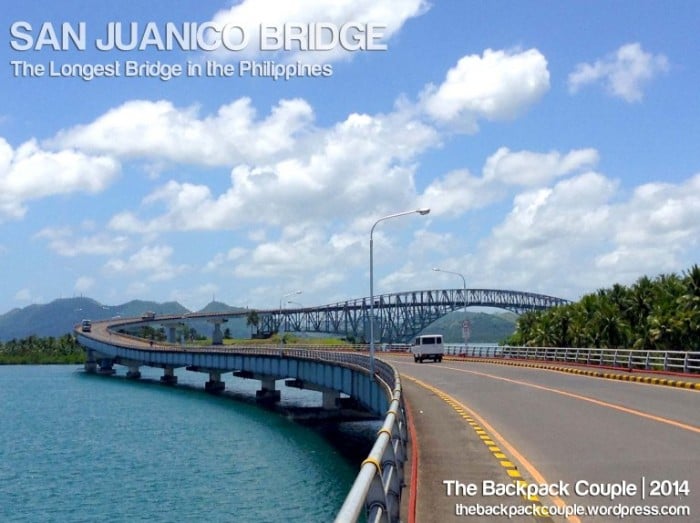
35 350
662 313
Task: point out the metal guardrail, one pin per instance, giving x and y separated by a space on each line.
629 359
376 491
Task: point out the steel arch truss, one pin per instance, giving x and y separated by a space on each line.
398 316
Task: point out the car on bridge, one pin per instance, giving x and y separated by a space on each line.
428 347
86 326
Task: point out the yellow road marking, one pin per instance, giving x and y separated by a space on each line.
477 423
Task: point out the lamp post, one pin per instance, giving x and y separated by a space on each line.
423 211
465 323
464 282
281 329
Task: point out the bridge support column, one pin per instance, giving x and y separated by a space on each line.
217 337
267 392
168 376
172 334
90 363
133 372
106 366
329 401
214 385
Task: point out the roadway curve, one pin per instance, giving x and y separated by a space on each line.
567 427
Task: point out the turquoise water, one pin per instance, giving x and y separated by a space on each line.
76 447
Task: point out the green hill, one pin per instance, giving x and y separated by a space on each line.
485 327
58 317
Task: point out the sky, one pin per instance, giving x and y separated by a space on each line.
555 143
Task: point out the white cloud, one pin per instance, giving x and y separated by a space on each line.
84 284
431 242
499 85
137 288
250 14
159 131
456 193
308 253
549 223
548 231
24 295
154 260
656 226
302 252
223 259
304 197
580 234
283 169
65 242
623 73
529 168
30 173
362 162
460 191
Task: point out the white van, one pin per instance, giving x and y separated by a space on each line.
428 347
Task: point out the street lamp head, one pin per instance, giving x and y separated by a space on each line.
436 269
423 211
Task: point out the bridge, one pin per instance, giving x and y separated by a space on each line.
398 316
333 373
603 425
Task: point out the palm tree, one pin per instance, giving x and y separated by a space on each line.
688 318
614 331
561 320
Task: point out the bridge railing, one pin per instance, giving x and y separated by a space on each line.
630 359
376 492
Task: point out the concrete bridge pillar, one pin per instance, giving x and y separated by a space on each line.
217 337
133 372
90 362
106 366
214 385
329 399
172 334
168 376
267 392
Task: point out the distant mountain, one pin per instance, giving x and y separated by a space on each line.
218 306
58 317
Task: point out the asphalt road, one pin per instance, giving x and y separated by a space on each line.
644 439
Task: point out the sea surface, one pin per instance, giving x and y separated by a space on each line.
76 447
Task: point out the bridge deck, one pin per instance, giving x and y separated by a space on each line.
478 421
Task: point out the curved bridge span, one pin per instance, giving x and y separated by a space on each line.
398 316
376 491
